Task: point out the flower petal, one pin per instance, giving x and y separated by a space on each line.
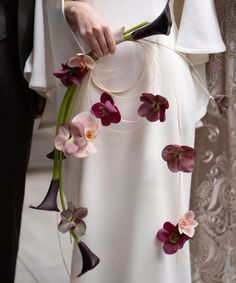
183 238
189 231
50 200
65 226
87 120
186 164
162 236
144 109
116 117
170 248
169 227
70 148
79 213
153 115
80 229
75 79
90 260
106 97
160 25
97 110
106 120
169 150
173 165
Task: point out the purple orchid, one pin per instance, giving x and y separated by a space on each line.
106 110
222 102
75 69
71 219
179 158
153 107
170 236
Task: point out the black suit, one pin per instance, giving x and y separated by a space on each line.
18 106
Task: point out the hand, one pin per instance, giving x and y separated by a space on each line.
92 28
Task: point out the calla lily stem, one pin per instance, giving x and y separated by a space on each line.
136 27
63 116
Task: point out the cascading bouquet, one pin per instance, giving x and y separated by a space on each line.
74 137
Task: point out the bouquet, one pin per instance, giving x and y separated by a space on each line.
74 136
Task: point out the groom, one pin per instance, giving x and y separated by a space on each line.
18 108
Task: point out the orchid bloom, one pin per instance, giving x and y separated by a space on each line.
91 127
75 69
153 107
179 158
187 223
106 110
70 139
71 219
171 238
222 102
81 60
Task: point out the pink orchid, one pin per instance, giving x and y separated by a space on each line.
70 139
81 60
153 107
75 69
179 158
106 110
170 236
91 126
187 223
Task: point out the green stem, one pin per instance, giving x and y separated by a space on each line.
74 236
60 120
63 107
126 32
61 194
55 165
65 113
70 103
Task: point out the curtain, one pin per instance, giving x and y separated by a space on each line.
213 194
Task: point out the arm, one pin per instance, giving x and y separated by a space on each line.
92 28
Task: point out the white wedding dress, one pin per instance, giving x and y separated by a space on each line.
126 186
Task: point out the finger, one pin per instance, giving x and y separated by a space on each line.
102 43
94 46
110 40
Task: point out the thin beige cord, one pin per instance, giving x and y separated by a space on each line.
61 251
198 79
100 86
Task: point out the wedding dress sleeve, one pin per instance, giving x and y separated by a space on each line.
199 33
54 43
198 36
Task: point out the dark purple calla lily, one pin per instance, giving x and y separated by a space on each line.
50 201
69 75
90 260
50 155
160 25
106 110
153 107
179 158
171 238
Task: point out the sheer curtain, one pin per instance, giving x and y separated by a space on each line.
213 196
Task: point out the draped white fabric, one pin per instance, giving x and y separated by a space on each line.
126 186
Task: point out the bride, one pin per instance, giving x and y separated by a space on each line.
127 186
